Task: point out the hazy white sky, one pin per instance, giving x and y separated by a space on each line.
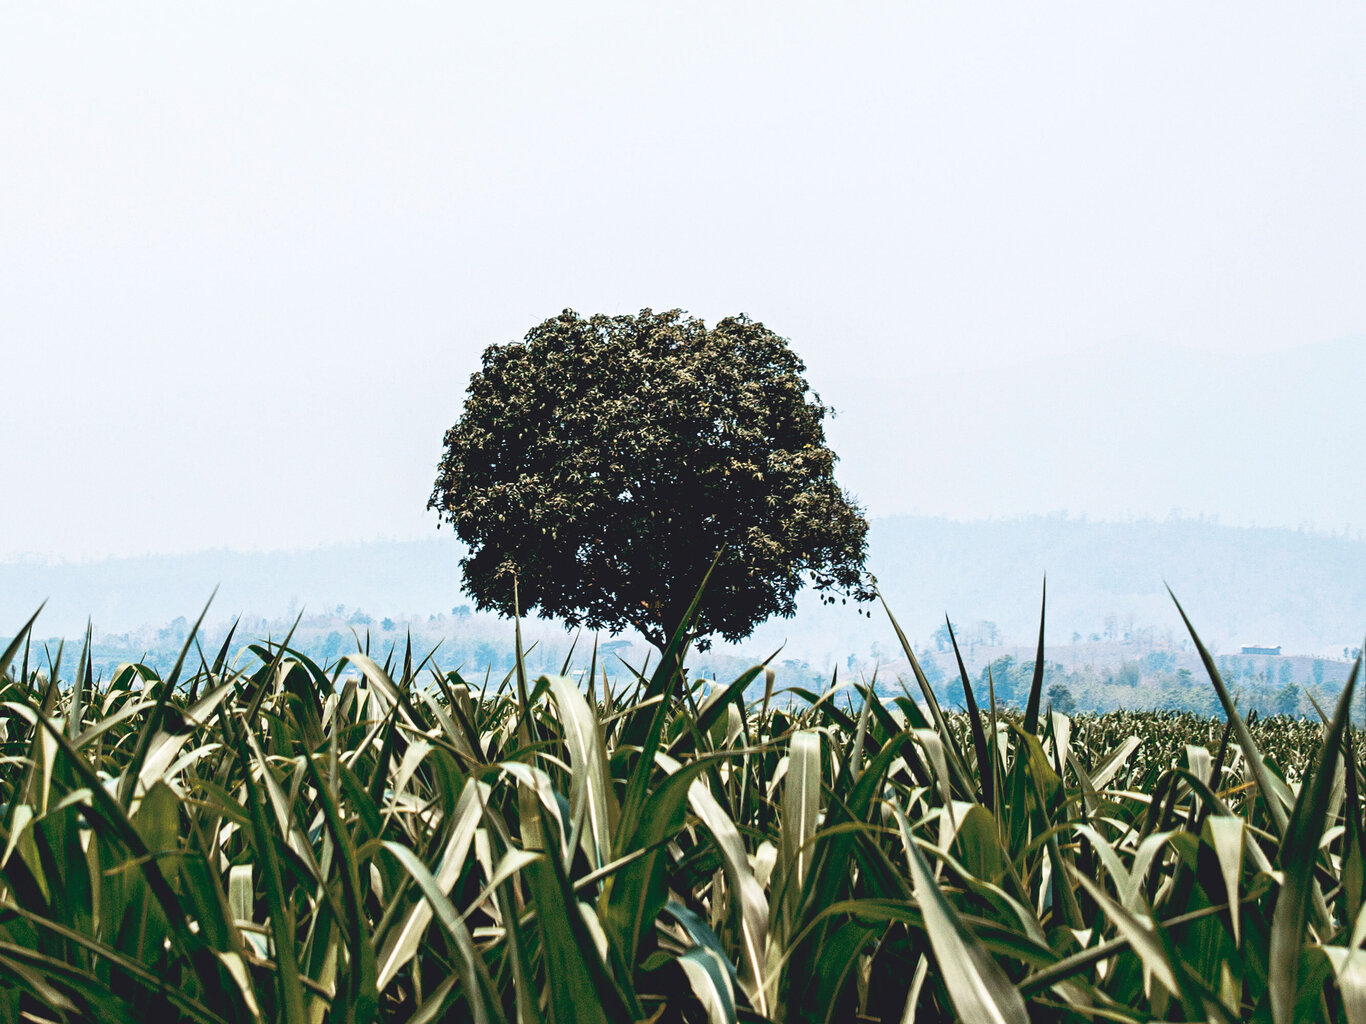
249 255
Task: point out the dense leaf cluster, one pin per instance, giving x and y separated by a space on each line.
605 461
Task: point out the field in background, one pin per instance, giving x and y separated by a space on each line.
1139 670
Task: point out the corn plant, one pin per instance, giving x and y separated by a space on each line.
258 837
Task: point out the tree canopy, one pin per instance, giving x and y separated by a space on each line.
604 462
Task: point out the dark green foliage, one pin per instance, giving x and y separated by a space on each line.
606 461
273 839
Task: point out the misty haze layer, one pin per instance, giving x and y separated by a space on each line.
1302 590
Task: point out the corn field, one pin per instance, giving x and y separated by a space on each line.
256 837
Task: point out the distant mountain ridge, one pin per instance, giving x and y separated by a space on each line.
1303 590
1129 429
1240 585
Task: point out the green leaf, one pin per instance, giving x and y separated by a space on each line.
710 975
635 894
978 987
1225 833
751 907
1270 792
362 1003
1349 971
985 766
590 791
131 775
801 806
1140 936
1031 717
18 642
402 944
291 995
474 978
1298 855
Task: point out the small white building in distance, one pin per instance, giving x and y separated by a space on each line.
1261 649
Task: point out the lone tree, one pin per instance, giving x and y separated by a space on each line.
605 462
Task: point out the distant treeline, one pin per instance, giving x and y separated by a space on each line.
1090 676
1162 680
